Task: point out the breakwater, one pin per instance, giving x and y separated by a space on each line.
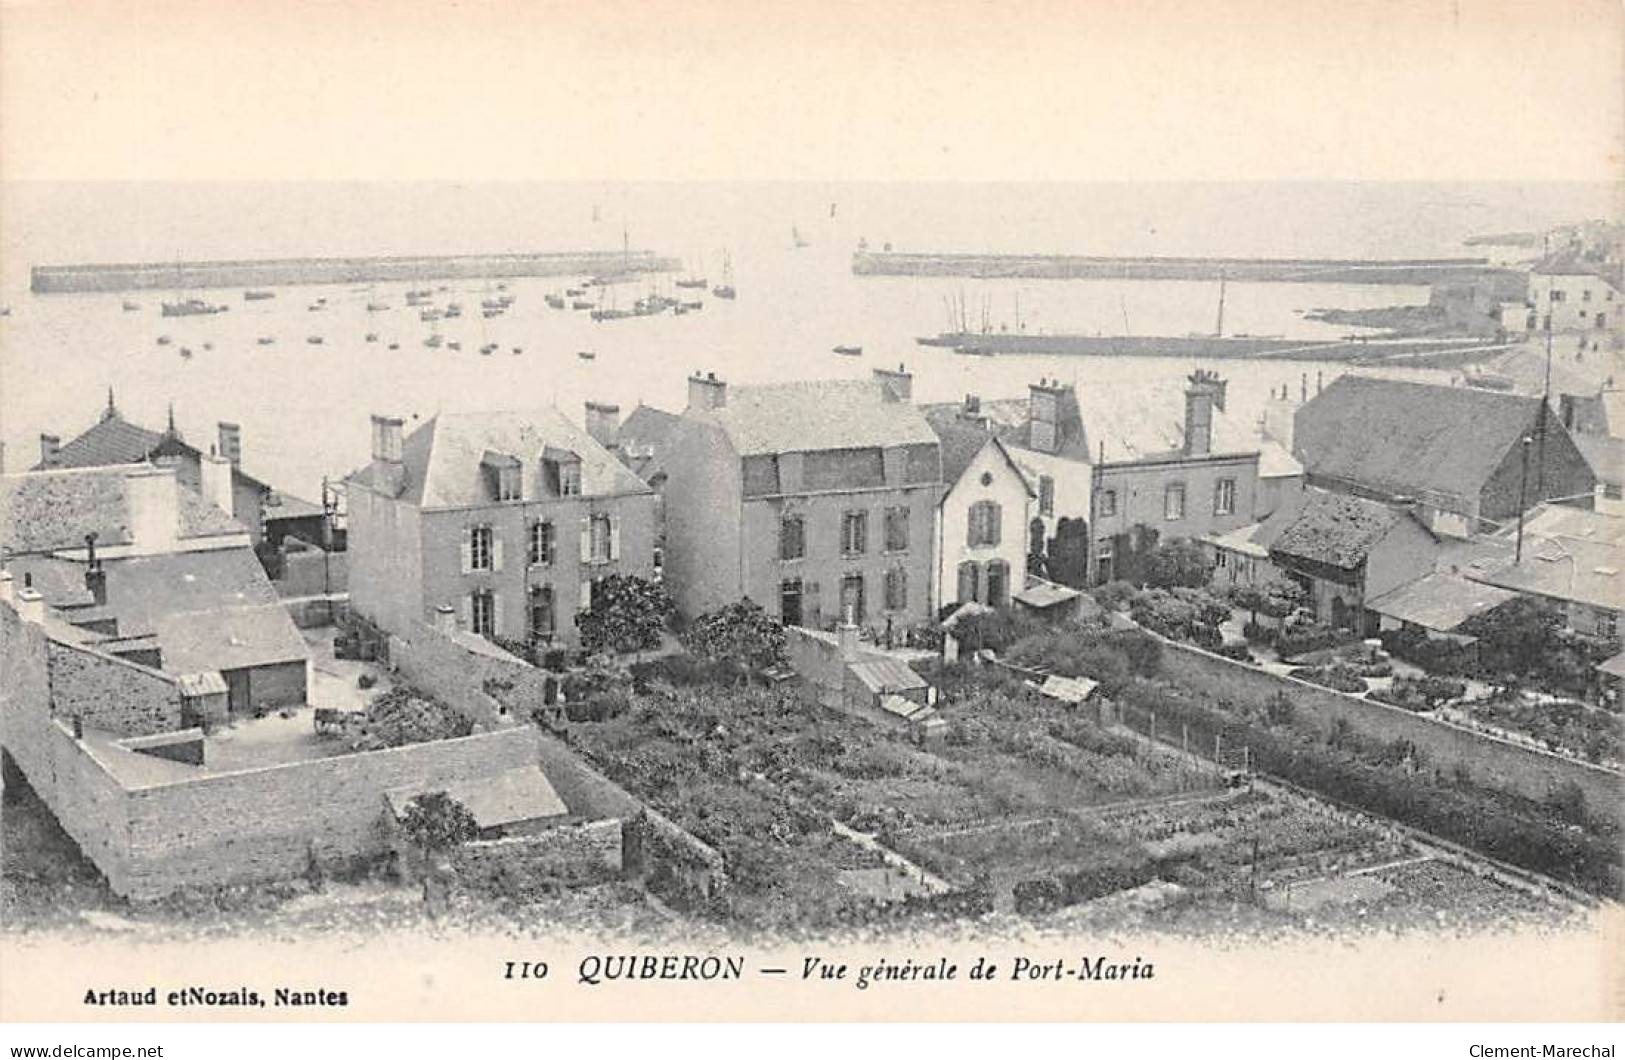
185 275
1405 271
1195 346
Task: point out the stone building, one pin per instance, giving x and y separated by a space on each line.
1457 453
1570 294
982 520
508 518
816 500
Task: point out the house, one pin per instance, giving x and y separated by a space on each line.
881 688
1605 455
1569 293
507 518
1458 453
982 519
1126 464
132 563
643 443
1347 551
813 499
1570 557
266 513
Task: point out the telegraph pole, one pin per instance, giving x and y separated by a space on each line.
1523 482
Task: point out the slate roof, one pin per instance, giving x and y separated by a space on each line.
231 638
1568 554
1439 601
1605 455
141 589
442 457
46 510
644 440
1337 530
115 440
815 415
1122 422
1410 438
510 797
961 442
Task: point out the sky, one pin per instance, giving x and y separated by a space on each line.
728 89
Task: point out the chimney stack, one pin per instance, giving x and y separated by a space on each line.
445 619
1044 415
49 444
231 445
707 391
95 576
972 408
603 422
389 473
900 381
152 495
1202 396
215 480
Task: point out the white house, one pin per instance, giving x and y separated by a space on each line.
982 519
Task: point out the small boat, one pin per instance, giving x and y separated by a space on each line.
554 301
489 313
186 353
493 303
258 296
208 345
377 307
163 340
517 350
611 314
419 297
428 315
433 342
394 345
454 345
974 351
723 291
317 306
581 303
849 351
690 281
372 336
486 351
191 307
129 307
453 310
679 309
575 292
314 340
687 306
502 287
586 355
266 340
795 237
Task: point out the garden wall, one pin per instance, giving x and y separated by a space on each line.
112 694
312 572
433 661
1491 762
524 866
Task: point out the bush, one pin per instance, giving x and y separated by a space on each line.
1337 676
365 681
996 630
1299 639
1236 650
403 716
1144 653
1115 596
1258 633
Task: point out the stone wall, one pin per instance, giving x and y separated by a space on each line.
312 572
111 694
676 866
1489 761
524 866
435 662
262 824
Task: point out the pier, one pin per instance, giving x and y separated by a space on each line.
186 275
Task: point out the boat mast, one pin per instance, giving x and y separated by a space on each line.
1218 329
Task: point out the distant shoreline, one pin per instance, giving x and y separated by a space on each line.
74 279
1205 347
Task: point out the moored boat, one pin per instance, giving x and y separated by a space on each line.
849 351
258 296
191 307
129 307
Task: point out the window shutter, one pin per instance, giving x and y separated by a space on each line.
496 607
496 551
614 538
995 518
468 551
970 525
586 594
586 541
466 617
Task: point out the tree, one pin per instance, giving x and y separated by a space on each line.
1175 564
1036 560
1067 560
740 635
434 822
627 614
1516 637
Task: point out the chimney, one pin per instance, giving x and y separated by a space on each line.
48 446
707 391
848 637
899 381
31 606
1201 397
386 439
1044 415
95 575
231 445
445 619
972 408
215 480
152 496
603 422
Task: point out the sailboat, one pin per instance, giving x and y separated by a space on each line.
795 237
692 280
725 289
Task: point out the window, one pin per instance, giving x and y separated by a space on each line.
998 583
968 581
508 482
1224 497
897 589
1585 295
852 598
482 610
1611 490
790 601
541 613
855 533
1557 296
792 537
1105 559
896 529
541 543
1107 503
602 532
479 548
1173 502
1607 623
983 528
1046 495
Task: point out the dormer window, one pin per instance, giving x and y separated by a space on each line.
561 472
502 476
